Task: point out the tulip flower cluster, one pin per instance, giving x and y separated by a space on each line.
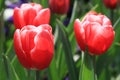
82 40
33 39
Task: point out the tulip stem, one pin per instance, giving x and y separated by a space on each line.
87 67
112 15
2 34
94 68
37 75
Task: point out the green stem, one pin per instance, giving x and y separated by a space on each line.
116 23
9 49
112 15
94 68
6 67
82 66
37 75
74 12
87 67
68 53
2 34
28 75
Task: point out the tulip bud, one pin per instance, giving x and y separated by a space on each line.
59 6
30 14
110 3
94 32
34 46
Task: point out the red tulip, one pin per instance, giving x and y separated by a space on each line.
110 3
94 32
59 6
30 14
34 46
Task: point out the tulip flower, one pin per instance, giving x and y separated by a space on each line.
59 6
34 46
110 3
30 14
94 32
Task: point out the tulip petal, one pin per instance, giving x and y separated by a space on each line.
97 36
80 34
27 38
18 18
41 59
42 53
19 51
42 17
35 6
43 41
29 16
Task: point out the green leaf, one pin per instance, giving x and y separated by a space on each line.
2 4
10 71
2 34
20 71
44 3
60 59
105 74
53 72
68 52
70 26
87 70
3 75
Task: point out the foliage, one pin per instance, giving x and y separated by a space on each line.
67 61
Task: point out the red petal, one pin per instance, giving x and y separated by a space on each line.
27 38
43 17
29 16
41 59
98 39
19 51
43 51
18 18
80 34
43 41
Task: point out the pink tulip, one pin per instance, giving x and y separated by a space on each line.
110 3
59 6
30 14
34 46
94 32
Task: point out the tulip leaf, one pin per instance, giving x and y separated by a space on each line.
44 3
104 74
23 74
87 70
52 71
116 23
2 4
68 53
70 28
10 71
60 59
57 69
2 35
3 75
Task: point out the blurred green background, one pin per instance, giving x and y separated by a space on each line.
66 63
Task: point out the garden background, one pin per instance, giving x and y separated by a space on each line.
67 60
